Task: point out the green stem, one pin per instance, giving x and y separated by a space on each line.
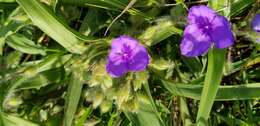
216 61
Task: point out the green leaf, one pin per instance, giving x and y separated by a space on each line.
159 32
10 120
86 114
72 98
16 20
50 62
25 45
225 93
49 23
13 59
6 30
216 60
239 6
7 1
146 115
42 79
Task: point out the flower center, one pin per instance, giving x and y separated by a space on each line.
125 56
205 26
206 29
126 53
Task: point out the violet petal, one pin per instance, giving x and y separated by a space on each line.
198 14
116 70
140 59
194 42
256 23
221 34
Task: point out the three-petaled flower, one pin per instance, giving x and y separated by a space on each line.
256 23
205 27
126 54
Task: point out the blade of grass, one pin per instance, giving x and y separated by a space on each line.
216 60
82 119
10 27
7 1
49 23
239 6
72 98
155 34
10 120
225 93
25 45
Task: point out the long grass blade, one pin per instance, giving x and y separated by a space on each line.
225 93
72 100
49 23
10 120
25 45
216 60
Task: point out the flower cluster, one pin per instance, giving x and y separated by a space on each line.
205 28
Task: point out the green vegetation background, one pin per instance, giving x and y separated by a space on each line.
53 55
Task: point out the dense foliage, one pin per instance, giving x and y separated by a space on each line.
54 72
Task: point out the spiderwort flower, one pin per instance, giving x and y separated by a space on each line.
256 23
205 27
126 54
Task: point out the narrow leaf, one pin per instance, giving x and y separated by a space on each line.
6 30
216 60
225 93
72 100
25 45
10 120
49 23
159 32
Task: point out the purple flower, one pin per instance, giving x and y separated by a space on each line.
126 54
256 23
205 28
